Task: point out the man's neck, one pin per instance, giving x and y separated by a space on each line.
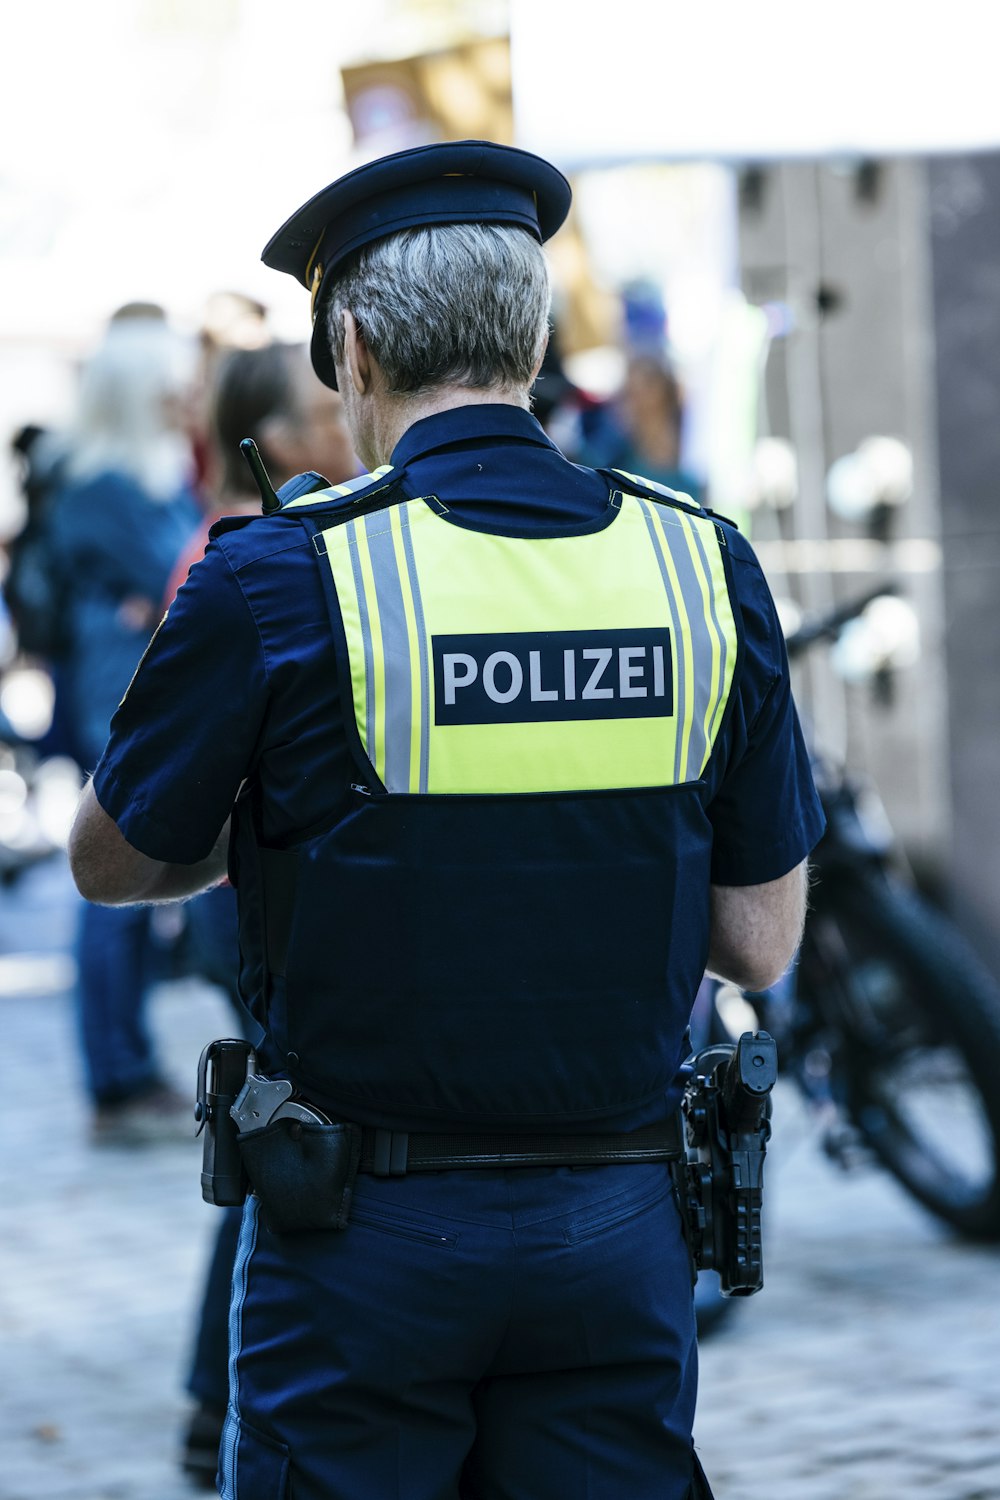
395 414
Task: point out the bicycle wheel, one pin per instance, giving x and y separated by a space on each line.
912 1021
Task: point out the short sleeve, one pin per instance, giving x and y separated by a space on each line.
184 735
766 815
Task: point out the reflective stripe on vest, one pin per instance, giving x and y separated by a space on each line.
491 664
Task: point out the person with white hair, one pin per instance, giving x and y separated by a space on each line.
124 511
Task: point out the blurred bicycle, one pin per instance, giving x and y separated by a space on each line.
890 1023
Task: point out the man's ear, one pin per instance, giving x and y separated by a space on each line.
541 358
356 355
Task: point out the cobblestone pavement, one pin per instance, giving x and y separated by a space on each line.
869 1369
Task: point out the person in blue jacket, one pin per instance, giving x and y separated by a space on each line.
122 515
500 755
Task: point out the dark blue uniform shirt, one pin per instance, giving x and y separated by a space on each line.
241 682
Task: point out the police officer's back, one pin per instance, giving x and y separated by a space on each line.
513 758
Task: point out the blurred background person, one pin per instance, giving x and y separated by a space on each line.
269 394
651 408
32 585
122 513
645 433
229 320
576 420
640 427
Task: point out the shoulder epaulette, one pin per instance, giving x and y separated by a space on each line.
636 484
352 492
225 524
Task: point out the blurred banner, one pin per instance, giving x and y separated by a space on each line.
459 91
464 90
737 82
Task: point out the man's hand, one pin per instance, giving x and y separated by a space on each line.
110 872
755 930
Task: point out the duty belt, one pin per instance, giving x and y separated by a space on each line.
393 1153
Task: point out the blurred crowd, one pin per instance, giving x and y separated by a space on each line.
118 507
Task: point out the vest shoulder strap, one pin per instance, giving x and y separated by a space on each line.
650 489
344 500
329 506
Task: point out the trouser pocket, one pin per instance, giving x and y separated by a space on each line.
253 1466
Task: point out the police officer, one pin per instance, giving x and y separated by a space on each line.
510 758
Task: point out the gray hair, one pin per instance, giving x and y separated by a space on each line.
128 405
449 304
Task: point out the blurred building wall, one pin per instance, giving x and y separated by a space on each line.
888 281
841 258
964 232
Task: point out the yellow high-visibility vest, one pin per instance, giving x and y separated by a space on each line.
484 663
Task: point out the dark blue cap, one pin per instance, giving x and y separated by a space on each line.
454 182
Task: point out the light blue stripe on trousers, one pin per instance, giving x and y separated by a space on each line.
231 1431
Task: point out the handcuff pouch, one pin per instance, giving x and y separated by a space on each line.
303 1173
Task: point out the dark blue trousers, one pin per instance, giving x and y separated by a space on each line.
116 965
484 1335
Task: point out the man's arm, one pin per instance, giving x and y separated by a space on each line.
110 872
755 929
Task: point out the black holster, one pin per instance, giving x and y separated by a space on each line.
303 1173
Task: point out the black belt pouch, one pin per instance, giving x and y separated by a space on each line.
303 1173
